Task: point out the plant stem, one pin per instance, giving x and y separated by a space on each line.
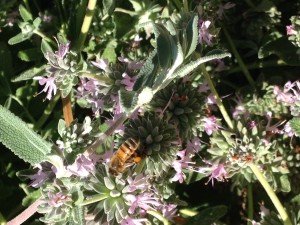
250 203
107 133
67 109
86 24
53 43
130 13
26 214
185 5
159 217
239 59
217 97
93 199
271 194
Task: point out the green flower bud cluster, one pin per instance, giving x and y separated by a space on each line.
157 138
183 104
76 137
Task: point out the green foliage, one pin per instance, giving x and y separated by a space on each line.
209 215
295 125
22 140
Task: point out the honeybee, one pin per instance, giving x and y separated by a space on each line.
125 156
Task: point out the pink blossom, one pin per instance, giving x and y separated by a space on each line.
40 177
131 64
283 96
57 199
288 130
168 210
290 30
204 35
203 88
131 221
140 182
102 64
218 172
144 201
178 165
63 49
50 86
128 81
193 146
211 100
210 124
82 167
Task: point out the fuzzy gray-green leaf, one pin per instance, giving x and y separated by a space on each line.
164 45
147 73
295 125
186 69
19 38
29 74
19 138
192 35
128 100
25 14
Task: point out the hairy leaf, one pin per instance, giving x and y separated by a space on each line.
19 38
109 6
192 35
295 125
26 16
29 74
164 45
19 138
45 47
186 69
147 73
128 100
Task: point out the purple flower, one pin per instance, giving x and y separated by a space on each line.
218 172
131 221
203 88
283 96
210 124
211 100
82 167
193 146
56 59
40 177
50 86
144 201
168 210
128 81
57 199
204 35
131 64
290 30
288 130
140 182
178 165
102 64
